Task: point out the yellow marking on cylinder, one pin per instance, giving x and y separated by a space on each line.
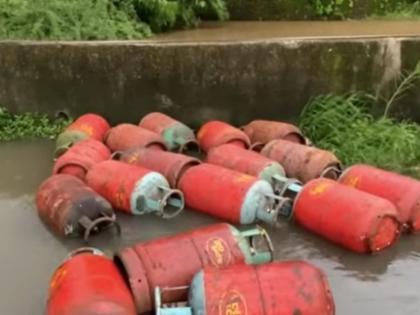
319 188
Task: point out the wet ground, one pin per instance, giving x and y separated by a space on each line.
261 31
387 284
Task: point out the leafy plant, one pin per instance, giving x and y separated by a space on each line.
345 125
28 126
99 19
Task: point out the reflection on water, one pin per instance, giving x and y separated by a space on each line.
385 284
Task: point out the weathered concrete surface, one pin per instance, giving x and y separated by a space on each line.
233 80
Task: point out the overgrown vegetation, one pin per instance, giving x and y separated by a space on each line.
345 125
100 19
402 11
28 125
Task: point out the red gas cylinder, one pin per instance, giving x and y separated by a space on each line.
303 162
263 131
177 136
402 191
235 197
127 136
349 217
81 157
247 162
71 208
135 189
173 261
171 165
88 283
88 126
278 288
215 133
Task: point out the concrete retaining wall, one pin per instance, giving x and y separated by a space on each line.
233 81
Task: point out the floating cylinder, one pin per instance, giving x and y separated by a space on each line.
260 132
247 162
174 260
226 194
171 165
127 136
134 189
281 288
80 157
402 191
349 217
88 283
177 136
87 126
215 133
71 208
303 162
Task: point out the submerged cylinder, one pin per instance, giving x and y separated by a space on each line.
247 162
135 189
349 217
171 165
177 136
71 208
174 260
235 197
303 162
260 132
87 126
127 136
88 283
80 157
215 133
280 288
402 191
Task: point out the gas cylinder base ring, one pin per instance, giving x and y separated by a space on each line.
371 238
189 146
116 156
257 147
85 250
171 204
99 224
332 172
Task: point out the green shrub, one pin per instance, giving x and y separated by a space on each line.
99 19
28 126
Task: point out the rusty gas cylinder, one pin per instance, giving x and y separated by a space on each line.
89 283
71 208
226 194
349 217
127 136
280 288
402 191
303 162
247 162
215 133
88 126
134 189
171 165
80 157
173 260
260 132
177 136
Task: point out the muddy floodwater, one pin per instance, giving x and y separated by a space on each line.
387 284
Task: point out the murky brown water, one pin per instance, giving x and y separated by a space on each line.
244 31
387 284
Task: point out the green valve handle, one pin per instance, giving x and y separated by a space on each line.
257 257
